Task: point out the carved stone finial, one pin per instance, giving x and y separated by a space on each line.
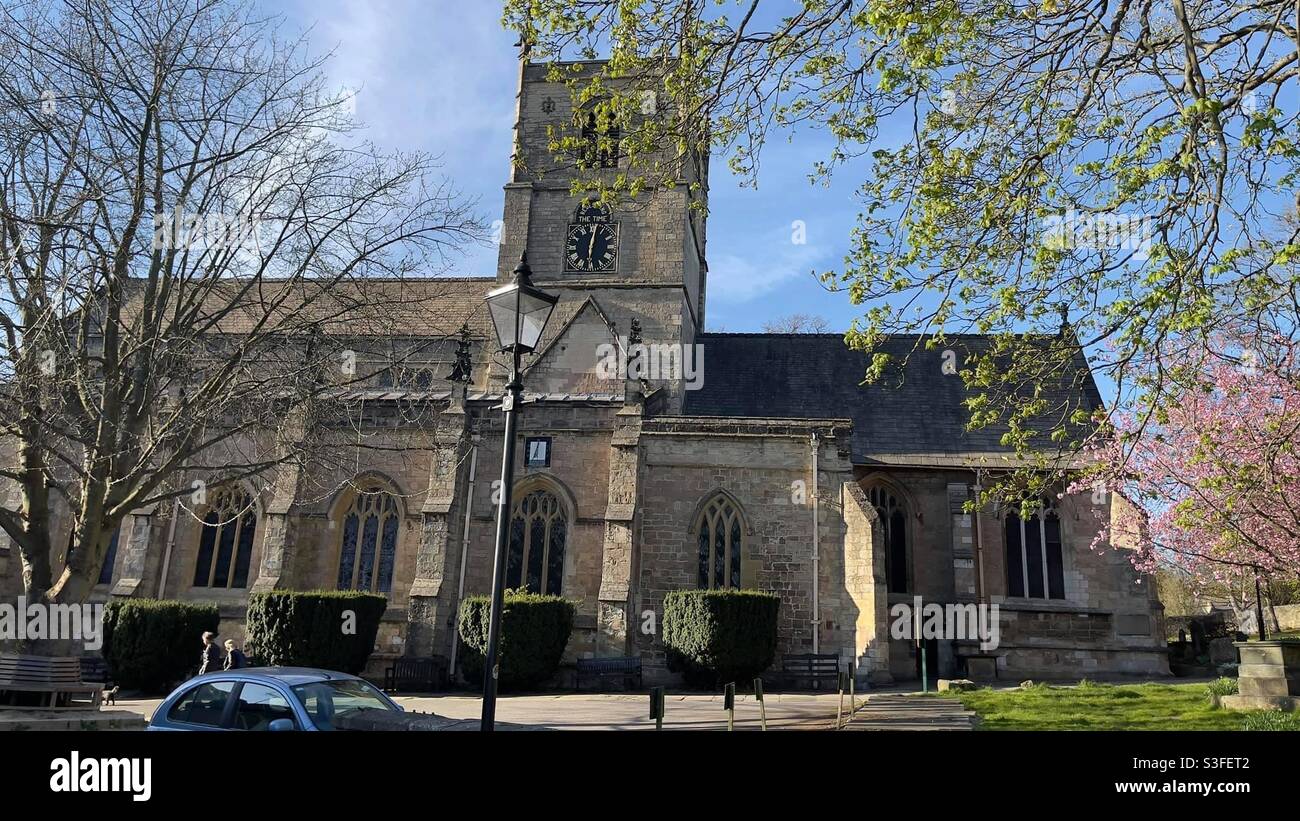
462 370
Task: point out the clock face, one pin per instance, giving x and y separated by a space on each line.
592 247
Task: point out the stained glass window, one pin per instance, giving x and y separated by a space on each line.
1035 566
106 571
893 520
538 531
722 542
226 540
368 545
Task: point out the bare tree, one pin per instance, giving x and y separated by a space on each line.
797 324
193 239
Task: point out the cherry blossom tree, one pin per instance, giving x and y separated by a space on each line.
1214 473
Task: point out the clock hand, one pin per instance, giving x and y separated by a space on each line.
591 249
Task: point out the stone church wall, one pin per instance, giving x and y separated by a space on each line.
767 476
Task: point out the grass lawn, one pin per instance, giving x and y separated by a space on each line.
1100 707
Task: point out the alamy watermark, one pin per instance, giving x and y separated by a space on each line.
39 621
660 361
182 230
946 622
1088 231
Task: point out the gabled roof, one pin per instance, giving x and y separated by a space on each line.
914 415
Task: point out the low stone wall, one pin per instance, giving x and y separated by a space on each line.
1072 644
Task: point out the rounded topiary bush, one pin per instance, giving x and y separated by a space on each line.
717 636
534 632
152 644
329 629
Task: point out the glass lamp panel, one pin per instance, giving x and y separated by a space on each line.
533 313
501 307
519 315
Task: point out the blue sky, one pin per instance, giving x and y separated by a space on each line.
440 76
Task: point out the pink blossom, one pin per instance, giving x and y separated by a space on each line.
1214 472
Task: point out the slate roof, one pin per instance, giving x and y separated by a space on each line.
914 415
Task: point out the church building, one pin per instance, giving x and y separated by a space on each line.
719 460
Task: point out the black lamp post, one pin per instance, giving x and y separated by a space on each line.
519 313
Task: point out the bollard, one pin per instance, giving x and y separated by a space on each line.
853 699
762 708
657 706
729 704
839 712
925 676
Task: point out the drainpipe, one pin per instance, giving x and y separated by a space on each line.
979 545
464 545
167 553
816 557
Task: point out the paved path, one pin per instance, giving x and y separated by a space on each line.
614 711
619 711
898 711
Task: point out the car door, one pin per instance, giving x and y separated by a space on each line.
205 706
256 705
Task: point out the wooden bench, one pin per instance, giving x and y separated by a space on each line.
416 674
811 667
56 679
626 668
94 669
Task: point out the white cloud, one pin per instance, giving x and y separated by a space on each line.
773 262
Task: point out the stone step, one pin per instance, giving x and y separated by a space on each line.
897 711
1245 702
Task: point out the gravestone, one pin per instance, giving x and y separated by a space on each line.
1223 650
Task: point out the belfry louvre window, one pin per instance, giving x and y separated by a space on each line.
893 520
721 541
538 530
1035 568
368 551
599 142
226 540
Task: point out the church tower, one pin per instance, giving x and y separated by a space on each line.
642 259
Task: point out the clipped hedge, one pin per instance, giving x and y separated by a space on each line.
534 632
292 628
717 636
152 644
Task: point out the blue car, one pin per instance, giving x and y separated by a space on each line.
267 698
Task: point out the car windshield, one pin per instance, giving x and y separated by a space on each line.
327 700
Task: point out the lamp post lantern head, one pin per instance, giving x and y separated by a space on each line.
520 311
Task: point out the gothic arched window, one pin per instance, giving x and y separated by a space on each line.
368 547
893 520
226 540
1035 566
721 535
538 530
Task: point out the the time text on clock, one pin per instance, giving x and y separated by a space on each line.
591 245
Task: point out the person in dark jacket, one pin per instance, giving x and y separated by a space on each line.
212 658
235 658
